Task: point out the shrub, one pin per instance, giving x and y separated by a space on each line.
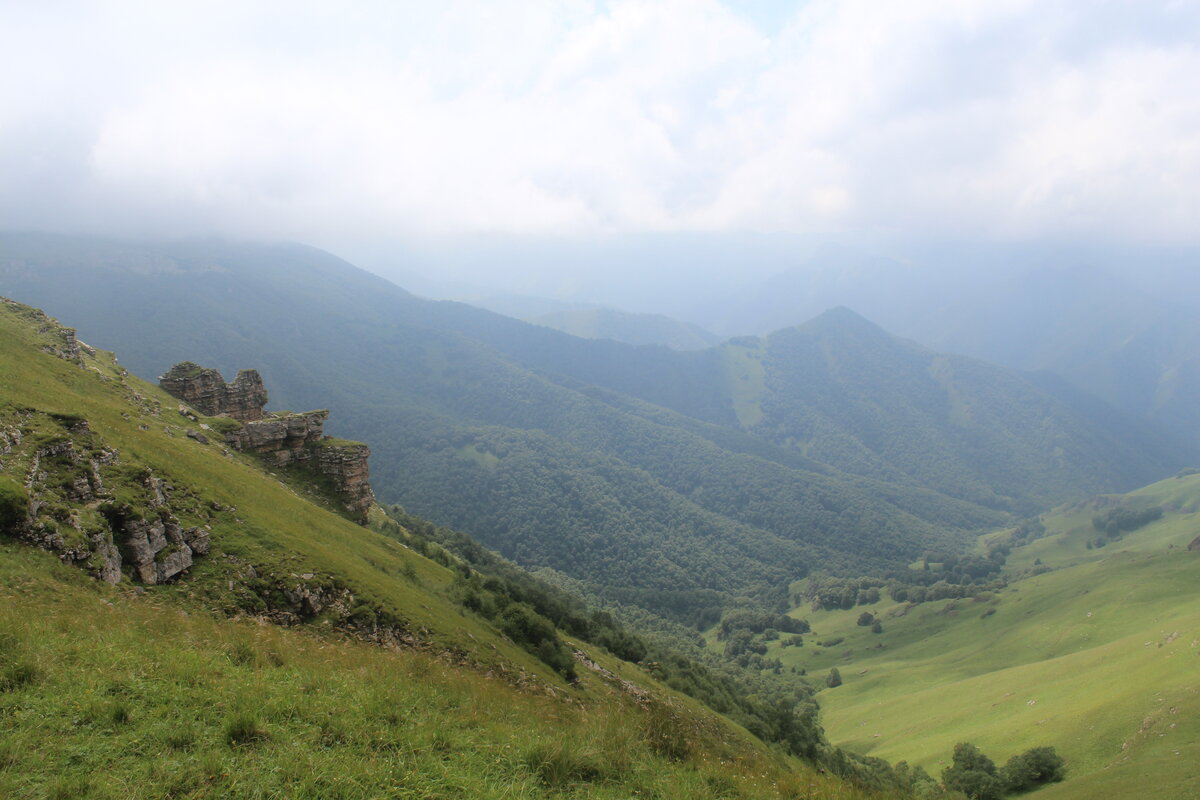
536 634
14 505
834 679
363 616
1033 768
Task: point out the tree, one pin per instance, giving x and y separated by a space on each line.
973 774
834 679
877 627
865 618
1033 768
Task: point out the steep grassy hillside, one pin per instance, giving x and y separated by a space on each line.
105 693
382 684
1098 657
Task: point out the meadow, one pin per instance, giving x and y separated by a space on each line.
1095 652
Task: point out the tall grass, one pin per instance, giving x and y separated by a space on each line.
136 700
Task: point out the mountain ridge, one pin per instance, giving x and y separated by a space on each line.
642 438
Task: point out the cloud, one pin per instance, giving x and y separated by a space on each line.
320 121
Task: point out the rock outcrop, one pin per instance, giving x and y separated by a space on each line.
207 392
64 505
346 465
283 438
154 544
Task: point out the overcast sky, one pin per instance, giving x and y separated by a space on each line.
330 122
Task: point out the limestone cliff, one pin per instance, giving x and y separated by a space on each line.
283 438
207 392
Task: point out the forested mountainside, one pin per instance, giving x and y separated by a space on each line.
1137 352
676 481
179 621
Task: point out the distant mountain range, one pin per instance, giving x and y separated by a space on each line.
623 326
1135 350
673 480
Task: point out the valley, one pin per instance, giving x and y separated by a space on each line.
1096 650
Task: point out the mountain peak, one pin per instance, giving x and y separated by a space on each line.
843 321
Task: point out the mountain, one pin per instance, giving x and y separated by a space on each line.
623 326
1096 327
677 481
1135 352
179 621
1088 644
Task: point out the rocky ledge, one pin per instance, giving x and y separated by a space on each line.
283 438
207 392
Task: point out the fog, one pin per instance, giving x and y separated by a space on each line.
651 156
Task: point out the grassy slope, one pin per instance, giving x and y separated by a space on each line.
106 692
1100 659
132 697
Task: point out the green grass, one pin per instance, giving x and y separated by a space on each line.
1099 658
142 699
1070 527
111 692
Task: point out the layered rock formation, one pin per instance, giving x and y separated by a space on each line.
207 392
155 545
63 504
345 464
284 438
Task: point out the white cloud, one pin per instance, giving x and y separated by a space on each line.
330 121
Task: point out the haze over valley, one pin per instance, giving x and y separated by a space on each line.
673 399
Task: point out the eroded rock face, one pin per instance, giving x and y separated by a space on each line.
205 390
346 465
283 438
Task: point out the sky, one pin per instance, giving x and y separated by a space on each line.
364 126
